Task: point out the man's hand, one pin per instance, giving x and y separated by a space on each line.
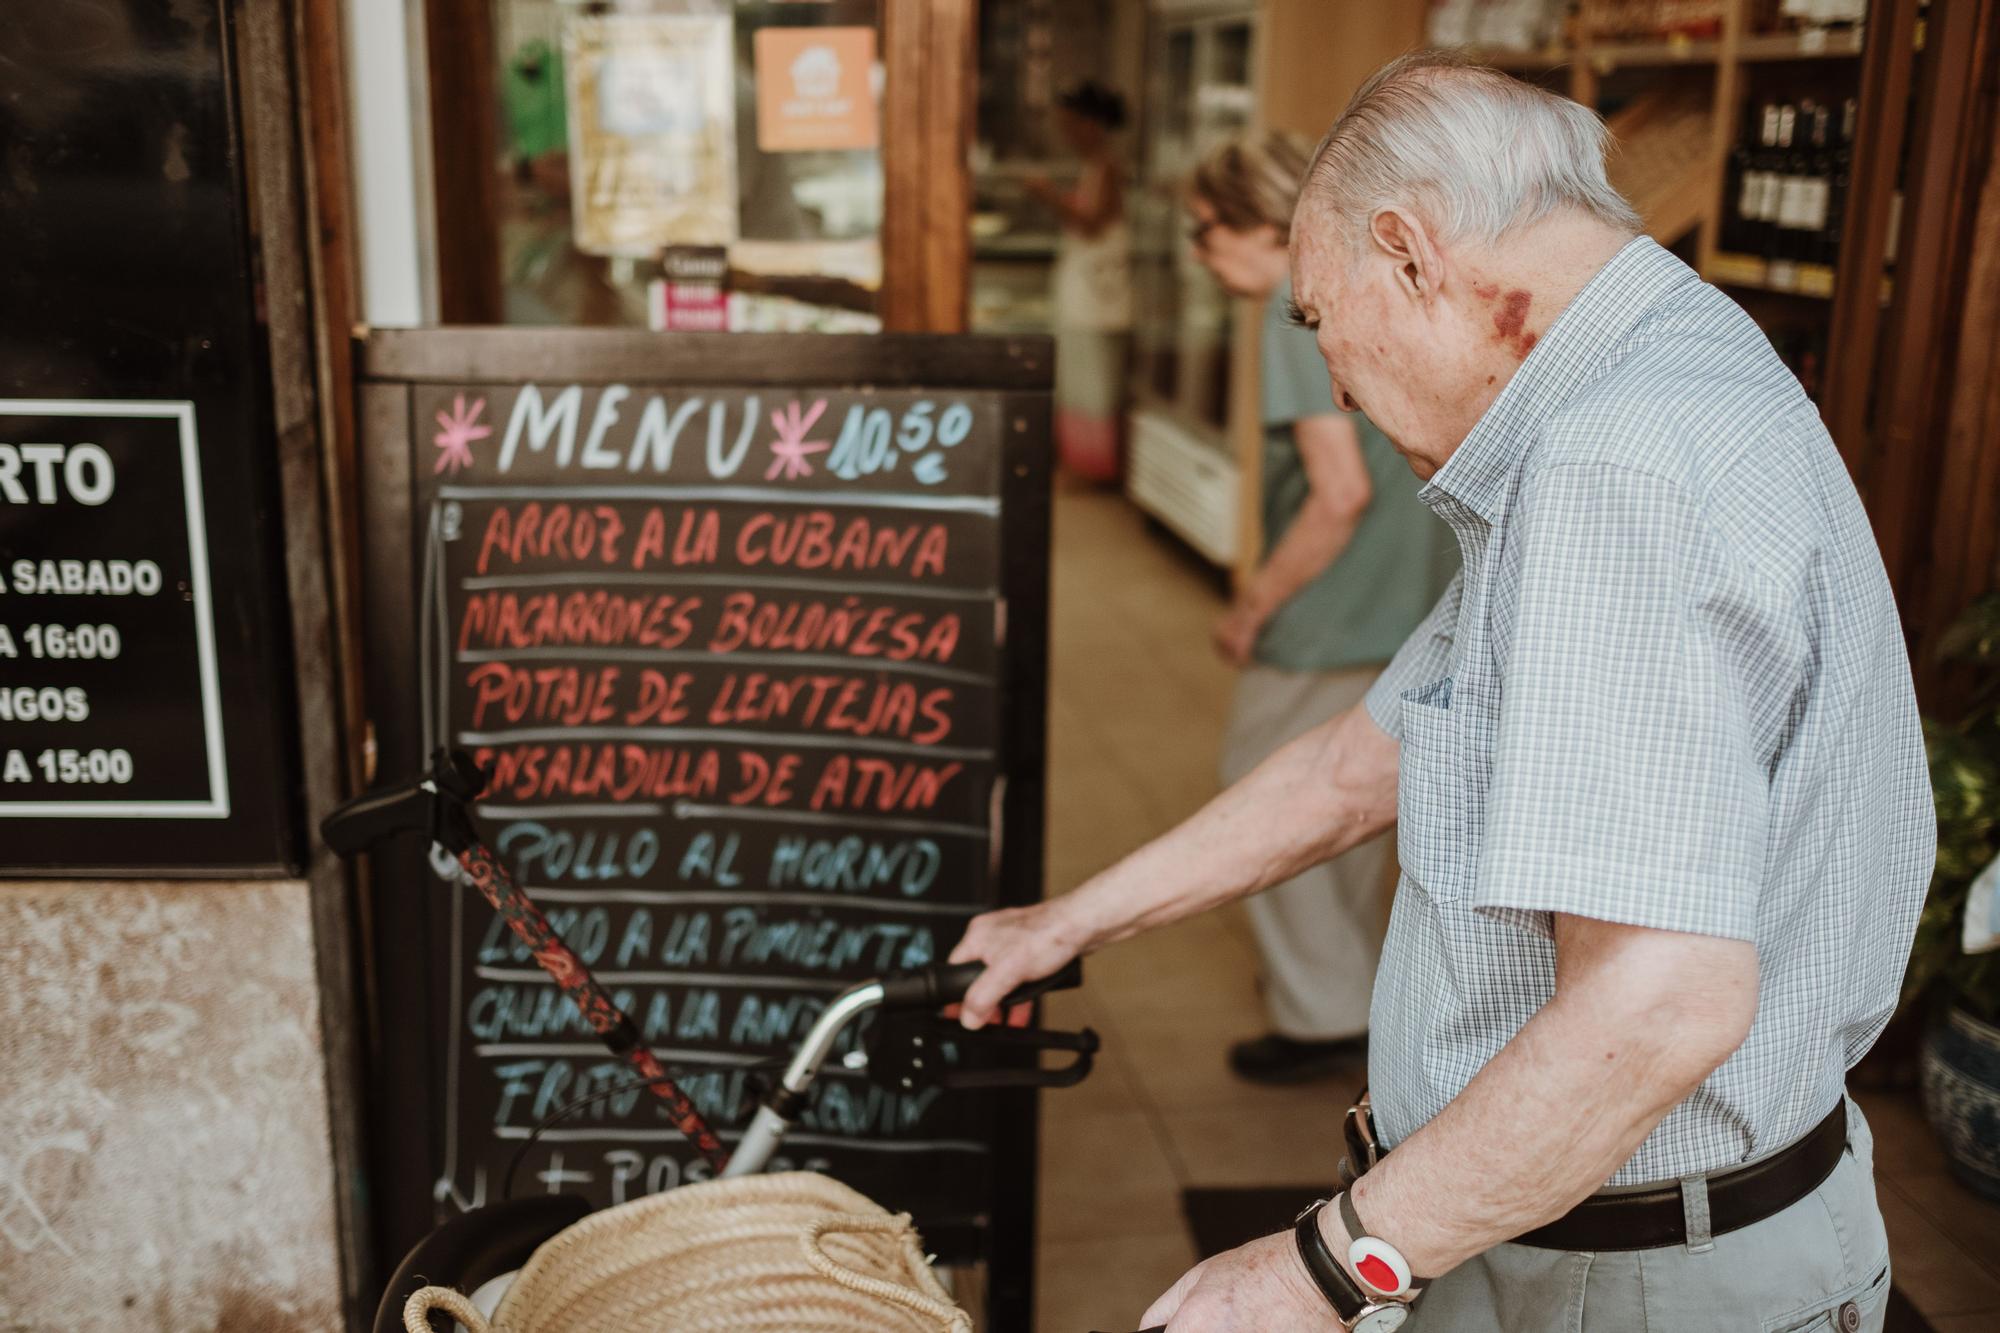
1018 945
1236 632
1262 1287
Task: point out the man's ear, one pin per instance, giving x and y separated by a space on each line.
1405 240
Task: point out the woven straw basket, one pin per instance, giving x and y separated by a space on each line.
791 1251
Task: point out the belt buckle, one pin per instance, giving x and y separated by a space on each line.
1363 1152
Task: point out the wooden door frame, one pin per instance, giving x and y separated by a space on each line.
927 121
1852 342
929 54
1963 529
465 182
1912 377
291 109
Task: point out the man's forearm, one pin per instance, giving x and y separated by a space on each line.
1332 788
1320 795
1540 1128
1565 1103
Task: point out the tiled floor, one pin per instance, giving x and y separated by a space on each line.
1136 717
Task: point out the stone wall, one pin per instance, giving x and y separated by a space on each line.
164 1154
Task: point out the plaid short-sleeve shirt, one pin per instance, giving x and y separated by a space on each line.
1669 689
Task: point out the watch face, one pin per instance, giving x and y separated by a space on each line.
1381 1319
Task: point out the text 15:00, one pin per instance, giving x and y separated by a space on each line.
79 766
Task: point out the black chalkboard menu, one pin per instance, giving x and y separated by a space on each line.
750 631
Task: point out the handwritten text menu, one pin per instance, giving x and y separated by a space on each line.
733 659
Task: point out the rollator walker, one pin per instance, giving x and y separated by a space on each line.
909 1046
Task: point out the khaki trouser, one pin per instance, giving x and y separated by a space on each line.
1821 1266
1320 934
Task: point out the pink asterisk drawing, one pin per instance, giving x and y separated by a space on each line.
789 450
460 429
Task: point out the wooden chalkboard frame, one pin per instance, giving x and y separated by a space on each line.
391 364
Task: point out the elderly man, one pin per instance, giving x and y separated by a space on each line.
1664 817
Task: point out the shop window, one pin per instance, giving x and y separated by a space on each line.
691 163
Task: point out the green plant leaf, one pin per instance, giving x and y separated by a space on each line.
1965 784
1975 636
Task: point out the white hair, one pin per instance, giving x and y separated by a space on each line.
1473 152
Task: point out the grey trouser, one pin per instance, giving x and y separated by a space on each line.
1798 1271
1320 933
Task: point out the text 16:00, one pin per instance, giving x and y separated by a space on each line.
84 641
79 766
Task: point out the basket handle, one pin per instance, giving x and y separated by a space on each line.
950 1318
417 1310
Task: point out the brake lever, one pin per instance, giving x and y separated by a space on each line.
1084 1045
907 1051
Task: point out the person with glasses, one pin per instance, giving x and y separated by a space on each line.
1351 563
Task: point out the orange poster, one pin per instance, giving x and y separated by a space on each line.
816 89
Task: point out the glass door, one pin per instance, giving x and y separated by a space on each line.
690 163
1202 94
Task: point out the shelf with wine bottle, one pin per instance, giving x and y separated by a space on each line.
1803 44
1785 197
1771 275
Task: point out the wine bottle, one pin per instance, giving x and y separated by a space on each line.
1781 192
1815 189
1843 166
1841 11
1757 190
1736 189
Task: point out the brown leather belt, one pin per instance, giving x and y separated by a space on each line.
1652 1216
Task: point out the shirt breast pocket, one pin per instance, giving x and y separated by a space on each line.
1429 792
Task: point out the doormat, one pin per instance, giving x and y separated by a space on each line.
1222 1219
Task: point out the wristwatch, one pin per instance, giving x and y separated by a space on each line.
1361 1311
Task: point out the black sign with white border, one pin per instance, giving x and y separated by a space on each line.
130 302
110 705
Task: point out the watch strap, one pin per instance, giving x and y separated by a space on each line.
1342 1292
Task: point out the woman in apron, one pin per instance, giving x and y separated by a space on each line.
1093 286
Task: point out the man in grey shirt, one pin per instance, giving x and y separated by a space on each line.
1665 824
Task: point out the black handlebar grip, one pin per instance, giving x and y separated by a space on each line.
935 987
435 803
1067 977
372 816
953 980
929 987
